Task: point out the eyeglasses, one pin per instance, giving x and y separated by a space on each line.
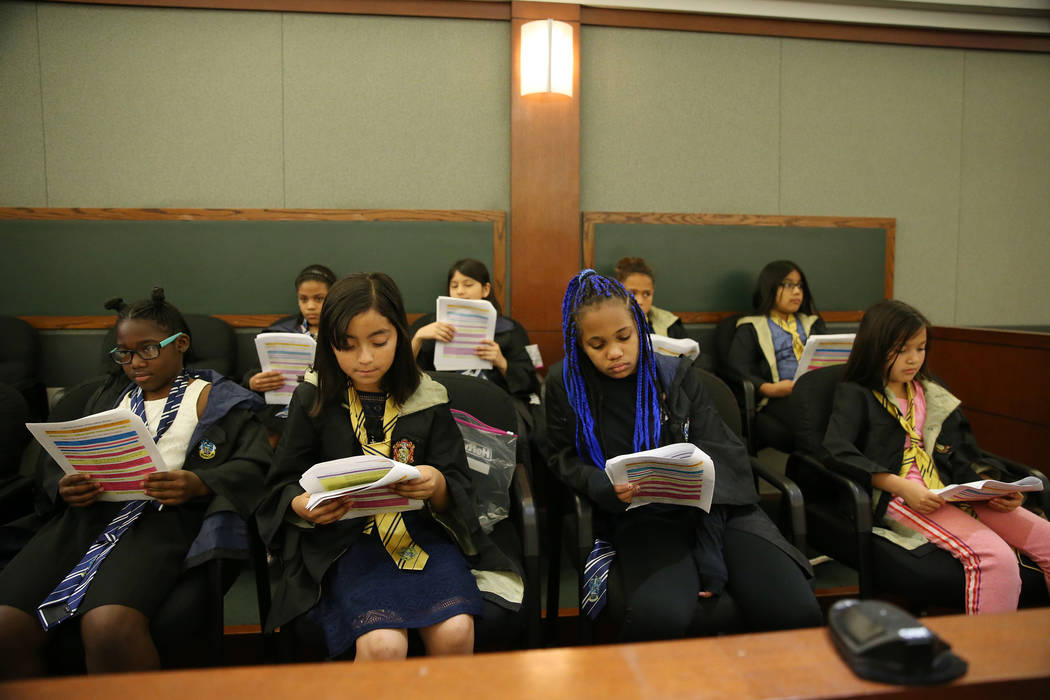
148 352
791 285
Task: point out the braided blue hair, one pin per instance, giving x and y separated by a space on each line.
587 289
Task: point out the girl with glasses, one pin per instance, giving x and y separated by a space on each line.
767 346
216 453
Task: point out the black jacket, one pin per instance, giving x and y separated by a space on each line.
520 381
233 467
865 436
688 416
305 550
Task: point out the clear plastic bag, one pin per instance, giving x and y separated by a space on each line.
491 456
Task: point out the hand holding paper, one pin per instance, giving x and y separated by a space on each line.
986 490
291 354
368 478
679 474
474 321
113 449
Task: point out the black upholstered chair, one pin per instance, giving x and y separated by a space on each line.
838 504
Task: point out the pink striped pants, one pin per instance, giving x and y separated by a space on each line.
993 582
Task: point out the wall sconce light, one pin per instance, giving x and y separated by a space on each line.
546 57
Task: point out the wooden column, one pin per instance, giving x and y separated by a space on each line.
544 188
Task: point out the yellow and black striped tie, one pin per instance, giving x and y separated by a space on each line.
913 454
790 325
390 526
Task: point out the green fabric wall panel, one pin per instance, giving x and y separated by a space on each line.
713 268
69 268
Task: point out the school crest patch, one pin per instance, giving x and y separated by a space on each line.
404 451
206 449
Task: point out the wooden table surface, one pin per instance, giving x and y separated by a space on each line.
1008 654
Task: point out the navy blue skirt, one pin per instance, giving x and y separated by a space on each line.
364 591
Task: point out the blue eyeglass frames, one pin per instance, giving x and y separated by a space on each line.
148 352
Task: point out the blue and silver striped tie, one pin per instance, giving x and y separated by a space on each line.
62 603
595 578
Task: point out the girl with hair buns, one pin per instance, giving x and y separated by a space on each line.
217 454
612 395
311 288
638 278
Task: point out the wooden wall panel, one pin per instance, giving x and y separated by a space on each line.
1003 380
544 189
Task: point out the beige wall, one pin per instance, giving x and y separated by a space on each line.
135 107
953 144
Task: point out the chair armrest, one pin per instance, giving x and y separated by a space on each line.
521 496
528 525
793 494
584 527
858 476
821 479
859 497
749 391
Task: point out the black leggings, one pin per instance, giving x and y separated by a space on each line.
774 425
653 584
769 588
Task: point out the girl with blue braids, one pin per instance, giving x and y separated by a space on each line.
662 571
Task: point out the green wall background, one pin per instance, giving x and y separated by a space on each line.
136 107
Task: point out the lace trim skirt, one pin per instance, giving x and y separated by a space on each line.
363 590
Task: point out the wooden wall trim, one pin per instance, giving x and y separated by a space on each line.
992 336
88 323
801 29
154 214
453 9
590 218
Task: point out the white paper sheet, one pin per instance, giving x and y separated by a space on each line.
113 447
674 347
824 351
679 474
368 477
474 321
985 490
288 353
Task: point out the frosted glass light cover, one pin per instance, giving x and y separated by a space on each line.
546 57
